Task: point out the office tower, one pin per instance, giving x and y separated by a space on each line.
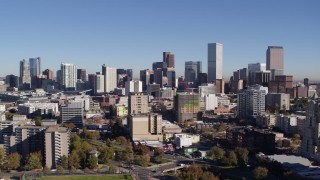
129 73
110 78
133 87
82 75
35 66
215 60
168 58
154 90
12 81
146 76
192 69
202 79
306 82
310 141
146 127
37 81
262 78
99 83
275 61
25 78
158 76
252 71
171 75
220 86
56 142
68 76
72 113
48 73
251 101
138 103
206 89
187 106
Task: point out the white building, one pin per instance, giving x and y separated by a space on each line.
2 116
2 107
182 140
40 108
69 76
211 101
204 90
133 86
215 60
251 101
110 78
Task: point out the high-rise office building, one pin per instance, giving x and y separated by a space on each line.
275 60
110 78
168 58
82 75
48 73
12 81
72 113
35 66
25 78
99 83
215 60
187 106
68 76
56 145
146 76
171 75
192 70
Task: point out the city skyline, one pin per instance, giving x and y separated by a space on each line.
120 34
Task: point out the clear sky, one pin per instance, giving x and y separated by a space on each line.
134 33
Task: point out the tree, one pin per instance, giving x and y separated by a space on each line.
46 170
74 160
216 153
38 121
230 159
112 169
158 155
2 158
34 161
242 155
86 147
260 172
142 160
141 149
92 162
60 170
69 125
208 176
13 161
75 142
106 154
191 173
64 162
121 140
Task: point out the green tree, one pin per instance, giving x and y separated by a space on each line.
230 159
13 161
121 140
141 149
2 158
106 154
260 172
242 155
75 142
216 153
86 147
34 161
142 160
46 170
208 176
74 160
92 162
60 170
158 155
64 162
37 121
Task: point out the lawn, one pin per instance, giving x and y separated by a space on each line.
91 177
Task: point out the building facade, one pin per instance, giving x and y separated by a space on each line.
68 76
215 61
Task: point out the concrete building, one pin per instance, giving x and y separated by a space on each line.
72 113
48 73
138 103
68 76
6 129
146 127
278 100
251 101
110 78
206 89
146 76
281 84
287 123
133 87
56 142
187 106
25 78
171 75
215 62
82 75
38 108
192 69
266 120
310 143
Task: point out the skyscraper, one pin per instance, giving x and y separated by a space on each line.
25 78
192 69
35 66
110 78
275 60
169 59
82 75
68 76
215 60
48 73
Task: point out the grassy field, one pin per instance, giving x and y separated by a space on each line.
91 177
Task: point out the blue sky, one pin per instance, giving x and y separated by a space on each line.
133 34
